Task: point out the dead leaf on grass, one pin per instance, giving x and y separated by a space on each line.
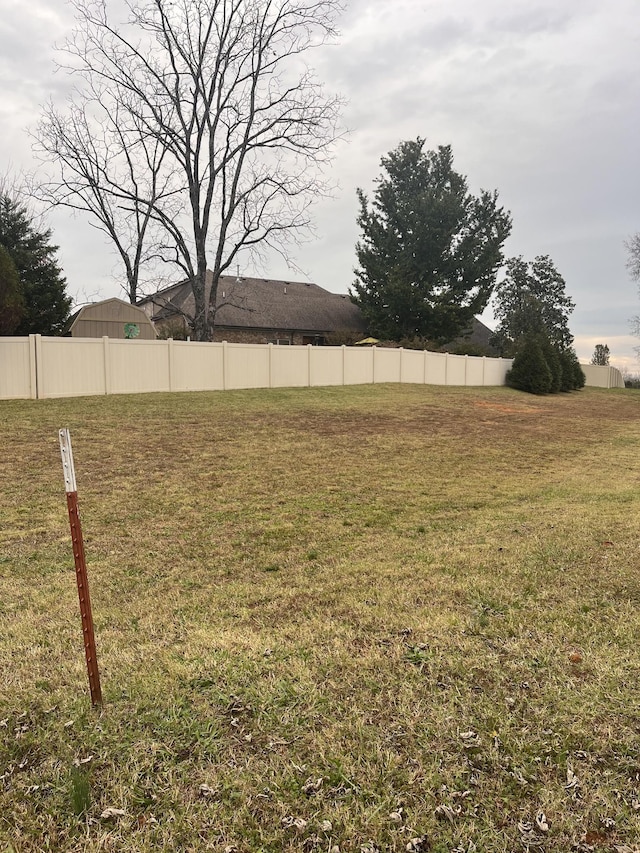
572 780
541 822
528 837
312 786
445 812
470 739
419 844
205 791
297 823
110 813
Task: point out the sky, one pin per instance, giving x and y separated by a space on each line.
539 99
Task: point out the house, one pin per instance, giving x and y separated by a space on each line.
257 310
112 318
476 341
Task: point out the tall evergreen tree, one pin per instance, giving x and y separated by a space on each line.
430 250
532 300
11 301
42 287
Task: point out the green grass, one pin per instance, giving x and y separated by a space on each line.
326 618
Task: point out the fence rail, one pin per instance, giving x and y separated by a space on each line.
40 367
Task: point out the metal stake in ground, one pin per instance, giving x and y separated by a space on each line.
81 566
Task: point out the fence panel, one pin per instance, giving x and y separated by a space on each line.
17 368
196 366
495 370
474 371
246 366
358 365
412 366
326 366
72 367
137 366
289 366
387 364
436 370
456 370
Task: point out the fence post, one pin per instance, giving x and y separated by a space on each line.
426 366
170 361
309 365
466 370
270 363
225 356
400 365
33 368
106 355
344 355
484 367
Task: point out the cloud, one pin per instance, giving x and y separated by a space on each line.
539 100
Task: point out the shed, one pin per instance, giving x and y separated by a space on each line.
113 318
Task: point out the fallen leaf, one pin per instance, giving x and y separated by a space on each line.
572 780
111 813
312 786
297 823
541 822
419 844
449 813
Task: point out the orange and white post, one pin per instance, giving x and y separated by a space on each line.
81 566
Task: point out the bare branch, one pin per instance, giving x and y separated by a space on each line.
201 123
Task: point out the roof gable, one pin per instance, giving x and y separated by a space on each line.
254 303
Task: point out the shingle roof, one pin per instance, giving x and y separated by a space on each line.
257 303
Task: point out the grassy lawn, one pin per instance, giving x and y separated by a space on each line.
353 619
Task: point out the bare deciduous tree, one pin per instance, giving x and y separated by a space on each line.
109 170
214 133
633 265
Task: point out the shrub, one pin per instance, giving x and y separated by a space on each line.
530 371
572 374
554 363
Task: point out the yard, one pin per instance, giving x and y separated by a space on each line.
377 618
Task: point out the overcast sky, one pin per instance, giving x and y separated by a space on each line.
539 99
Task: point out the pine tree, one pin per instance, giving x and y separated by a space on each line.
530 371
11 301
430 250
532 299
42 286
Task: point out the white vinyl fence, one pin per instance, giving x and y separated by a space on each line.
39 367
